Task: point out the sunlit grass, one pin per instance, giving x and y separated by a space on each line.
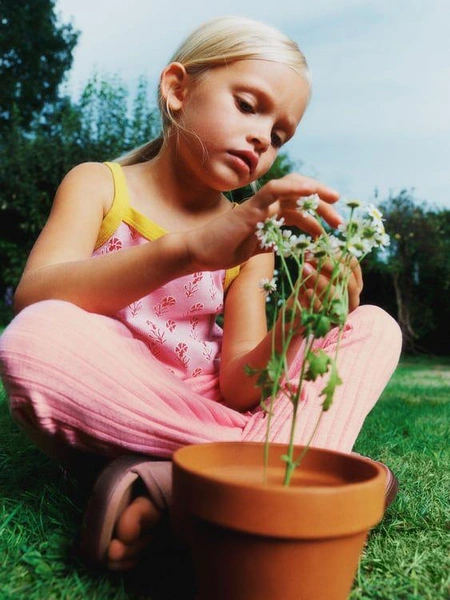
408 554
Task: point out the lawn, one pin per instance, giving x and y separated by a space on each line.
407 555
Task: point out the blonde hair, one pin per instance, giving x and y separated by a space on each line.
214 44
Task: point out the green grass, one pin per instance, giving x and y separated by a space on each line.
407 555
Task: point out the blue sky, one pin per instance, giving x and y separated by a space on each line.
380 111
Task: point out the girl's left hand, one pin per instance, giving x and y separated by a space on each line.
230 239
317 284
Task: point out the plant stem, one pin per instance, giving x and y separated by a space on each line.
290 465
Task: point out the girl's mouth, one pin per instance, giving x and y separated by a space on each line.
247 158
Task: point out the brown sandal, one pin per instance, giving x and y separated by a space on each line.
121 481
392 484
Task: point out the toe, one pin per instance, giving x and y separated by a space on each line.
133 534
116 551
137 519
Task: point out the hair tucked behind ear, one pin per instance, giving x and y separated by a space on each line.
215 43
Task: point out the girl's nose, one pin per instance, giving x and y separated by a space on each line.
260 137
261 142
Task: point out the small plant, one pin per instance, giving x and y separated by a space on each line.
309 310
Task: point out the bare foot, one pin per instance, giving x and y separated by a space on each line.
133 534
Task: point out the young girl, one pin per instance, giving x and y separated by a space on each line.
115 350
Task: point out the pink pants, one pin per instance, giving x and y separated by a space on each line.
82 381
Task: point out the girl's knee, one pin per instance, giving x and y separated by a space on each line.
34 315
380 324
31 331
46 310
381 318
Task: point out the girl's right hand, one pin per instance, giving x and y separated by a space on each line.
230 239
316 285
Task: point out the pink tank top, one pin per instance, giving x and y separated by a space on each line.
177 321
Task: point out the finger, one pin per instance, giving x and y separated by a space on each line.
313 300
310 300
292 187
305 222
329 214
310 186
351 268
357 273
332 269
318 282
354 292
319 286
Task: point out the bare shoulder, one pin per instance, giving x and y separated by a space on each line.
81 202
91 181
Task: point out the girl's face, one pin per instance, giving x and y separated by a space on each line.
235 119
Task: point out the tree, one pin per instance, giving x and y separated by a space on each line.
101 126
109 125
418 267
35 53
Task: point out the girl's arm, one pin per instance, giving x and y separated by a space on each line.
60 265
246 340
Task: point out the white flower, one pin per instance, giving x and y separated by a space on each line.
269 233
300 242
355 249
382 240
375 218
374 212
335 244
353 203
268 285
349 228
320 248
273 222
308 205
287 249
359 246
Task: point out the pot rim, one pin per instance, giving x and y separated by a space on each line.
354 505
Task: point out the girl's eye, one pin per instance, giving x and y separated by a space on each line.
244 106
277 142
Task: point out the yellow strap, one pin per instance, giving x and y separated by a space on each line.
122 211
230 276
145 226
119 208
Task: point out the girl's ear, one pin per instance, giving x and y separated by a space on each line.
173 85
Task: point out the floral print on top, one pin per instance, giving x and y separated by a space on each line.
178 320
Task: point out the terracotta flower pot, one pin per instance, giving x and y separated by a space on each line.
252 540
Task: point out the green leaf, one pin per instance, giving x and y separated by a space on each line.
322 325
338 311
318 363
250 371
328 391
273 365
265 405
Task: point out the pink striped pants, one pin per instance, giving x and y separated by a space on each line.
78 380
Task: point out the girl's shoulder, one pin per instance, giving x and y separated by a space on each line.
90 179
